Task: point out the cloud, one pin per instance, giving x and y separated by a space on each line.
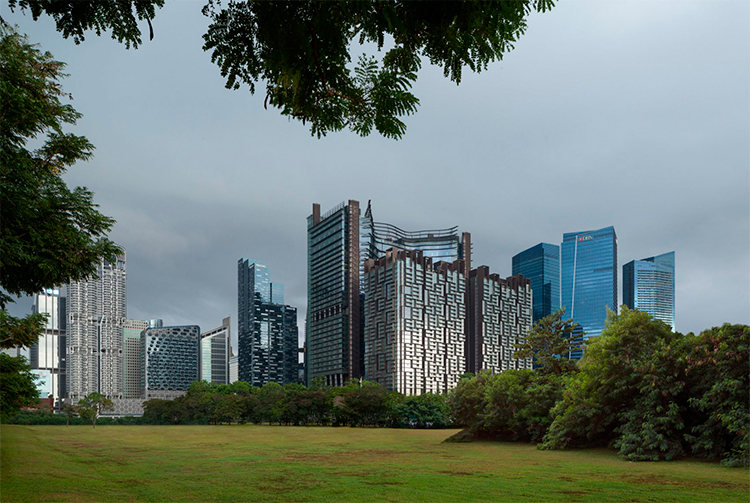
629 114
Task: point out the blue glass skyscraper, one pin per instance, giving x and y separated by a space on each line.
589 278
648 285
541 264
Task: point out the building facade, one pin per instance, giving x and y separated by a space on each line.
414 333
131 357
499 318
233 369
48 354
589 279
96 311
339 243
267 333
170 361
648 285
541 265
334 343
441 245
215 351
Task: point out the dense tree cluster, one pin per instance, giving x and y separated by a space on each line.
640 388
515 404
356 404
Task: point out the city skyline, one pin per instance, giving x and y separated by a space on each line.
598 148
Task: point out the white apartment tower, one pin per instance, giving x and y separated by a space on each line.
96 314
500 317
415 313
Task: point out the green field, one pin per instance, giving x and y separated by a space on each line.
274 463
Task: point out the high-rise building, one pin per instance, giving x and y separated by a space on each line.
589 278
233 370
338 244
170 361
333 294
131 357
97 309
267 334
499 318
541 265
414 322
215 350
648 285
48 353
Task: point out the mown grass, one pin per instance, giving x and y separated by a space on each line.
273 463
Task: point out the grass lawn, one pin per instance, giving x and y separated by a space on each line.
273 463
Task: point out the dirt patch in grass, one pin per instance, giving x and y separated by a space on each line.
287 484
346 457
692 484
385 483
454 472
77 445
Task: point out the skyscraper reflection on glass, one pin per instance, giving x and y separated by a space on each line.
589 278
541 265
648 285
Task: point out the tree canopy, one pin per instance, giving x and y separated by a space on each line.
550 343
50 234
304 52
91 406
74 17
17 385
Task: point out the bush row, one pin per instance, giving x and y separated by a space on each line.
359 403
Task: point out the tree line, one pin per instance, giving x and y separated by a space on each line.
358 403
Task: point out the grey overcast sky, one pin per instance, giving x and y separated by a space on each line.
633 114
